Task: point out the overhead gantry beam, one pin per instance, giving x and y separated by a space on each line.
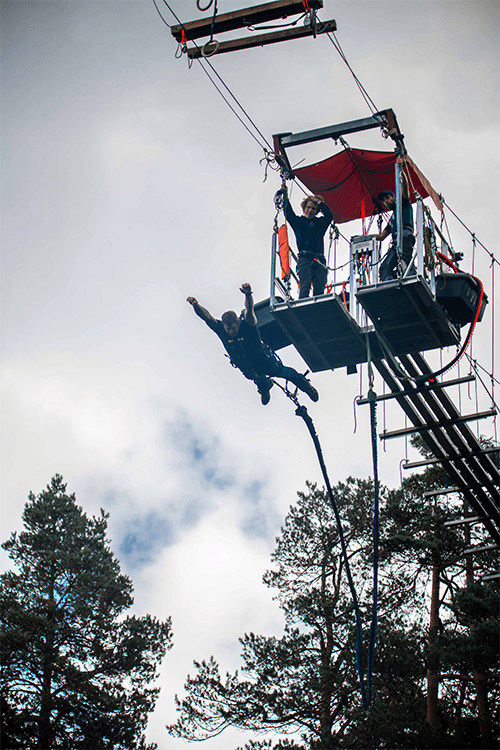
261 40
386 119
246 18
240 19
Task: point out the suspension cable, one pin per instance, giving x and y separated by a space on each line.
230 105
347 148
245 113
364 93
474 366
239 105
472 234
372 398
493 340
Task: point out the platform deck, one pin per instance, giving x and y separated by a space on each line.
408 317
324 333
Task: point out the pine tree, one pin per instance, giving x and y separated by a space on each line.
76 671
305 683
462 641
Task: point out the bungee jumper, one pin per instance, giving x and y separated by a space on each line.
383 324
309 230
393 262
241 339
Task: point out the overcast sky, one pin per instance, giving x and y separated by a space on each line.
128 184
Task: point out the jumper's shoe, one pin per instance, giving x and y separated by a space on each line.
265 394
309 389
265 398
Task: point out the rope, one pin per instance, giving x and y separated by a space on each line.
204 59
229 104
472 234
206 51
251 27
493 318
239 105
158 10
347 148
364 93
302 412
474 366
372 396
432 376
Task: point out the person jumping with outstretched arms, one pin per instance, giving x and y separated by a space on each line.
241 339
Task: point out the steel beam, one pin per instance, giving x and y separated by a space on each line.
334 131
490 577
449 490
411 391
445 441
436 425
469 519
450 457
240 19
486 548
261 40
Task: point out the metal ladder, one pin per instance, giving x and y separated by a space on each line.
446 433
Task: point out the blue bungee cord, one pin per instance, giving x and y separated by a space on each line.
302 412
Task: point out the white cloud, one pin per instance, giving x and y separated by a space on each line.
128 185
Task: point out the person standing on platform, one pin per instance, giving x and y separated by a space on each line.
309 230
389 266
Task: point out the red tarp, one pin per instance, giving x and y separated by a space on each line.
352 177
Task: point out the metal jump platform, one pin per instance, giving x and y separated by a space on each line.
324 333
403 315
392 323
408 316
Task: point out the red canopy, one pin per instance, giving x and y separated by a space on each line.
351 179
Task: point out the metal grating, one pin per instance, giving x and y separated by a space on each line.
470 469
324 333
406 314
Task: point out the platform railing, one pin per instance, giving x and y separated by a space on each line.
363 273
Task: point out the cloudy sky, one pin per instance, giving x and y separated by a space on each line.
128 184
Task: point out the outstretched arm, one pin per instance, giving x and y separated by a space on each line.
249 306
202 312
290 214
405 191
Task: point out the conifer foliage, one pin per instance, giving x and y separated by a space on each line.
435 673
76 670
305 683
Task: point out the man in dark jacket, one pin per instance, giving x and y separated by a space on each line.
389 266
309 230
241 340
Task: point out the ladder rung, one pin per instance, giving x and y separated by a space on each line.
242 18
486 548
447 490
449 457
260 40
469 519
437 425
412 391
